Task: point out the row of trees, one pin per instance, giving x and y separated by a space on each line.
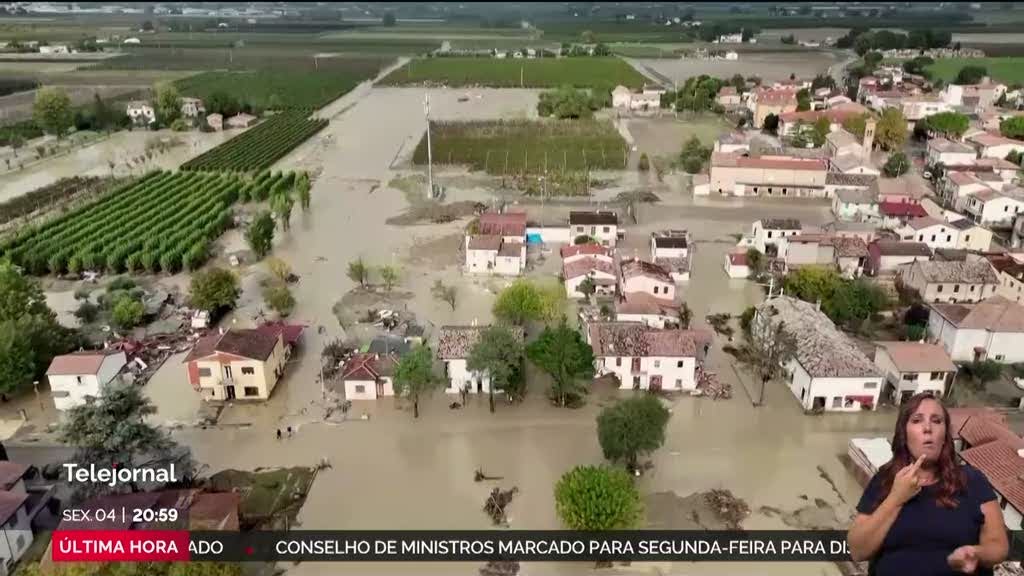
568 102
863 40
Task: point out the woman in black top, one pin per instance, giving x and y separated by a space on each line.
922 513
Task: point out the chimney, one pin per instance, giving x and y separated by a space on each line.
869 137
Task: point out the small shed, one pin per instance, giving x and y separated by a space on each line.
215 121
242 120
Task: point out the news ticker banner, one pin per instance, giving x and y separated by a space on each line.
458 546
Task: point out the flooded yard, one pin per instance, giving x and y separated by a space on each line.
767 66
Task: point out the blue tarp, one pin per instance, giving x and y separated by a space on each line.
534 239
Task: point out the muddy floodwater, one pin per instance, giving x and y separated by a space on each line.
769 66
393 471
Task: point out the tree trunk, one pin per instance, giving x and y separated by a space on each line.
490 389
416 408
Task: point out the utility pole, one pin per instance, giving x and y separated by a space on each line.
430 156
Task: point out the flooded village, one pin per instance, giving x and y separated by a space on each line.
778 290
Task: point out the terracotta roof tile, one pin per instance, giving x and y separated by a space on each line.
79 363
637 339
455 342
918 357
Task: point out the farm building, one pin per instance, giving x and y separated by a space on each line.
767 175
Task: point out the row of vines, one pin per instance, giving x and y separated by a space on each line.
165 221
261 146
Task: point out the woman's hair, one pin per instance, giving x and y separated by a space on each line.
949 475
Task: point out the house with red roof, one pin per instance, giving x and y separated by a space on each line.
241 363
511 226
912 368
645 358
991 329
369 376
81 375
997 452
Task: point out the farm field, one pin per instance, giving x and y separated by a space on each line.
290 57
277 89
767 66
164 221
505 73
1009 70
51 195
563 151
260 146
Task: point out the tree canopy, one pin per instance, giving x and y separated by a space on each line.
562 352
52 111
168 103
891 132
632 427
565 102
846 302
499 353
896 165
523 301
214 290
260 234
971 74
414 376
693 155
1013 127
598 498
948 124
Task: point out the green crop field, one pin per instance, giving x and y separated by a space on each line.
165 221
513 73
1008 70
564 150
288 89
261 146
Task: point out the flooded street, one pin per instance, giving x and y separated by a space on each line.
391 471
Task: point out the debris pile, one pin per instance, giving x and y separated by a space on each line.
479 476
709 385
500 568
496 503
729 508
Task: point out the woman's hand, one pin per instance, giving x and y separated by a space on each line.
906 484
964 559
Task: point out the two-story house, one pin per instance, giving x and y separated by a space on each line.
241 363
996 207
602 226
914 367
931 231
645 358
991 329
638 276
78 376
369 376
670 249
769 231
493 255
951 281
454 345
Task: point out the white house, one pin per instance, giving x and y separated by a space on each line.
913 367
995 207
54 49
736 266
991 329
1011 277
948 153
888 256
645 358
492 255
971 236
76 376
828 371
369 376
648 99
638 276
141 113
991 145
931 231
670 249
855 204
951 281
769 231
192 107
602 226
454 345
16 528
599 270
648 310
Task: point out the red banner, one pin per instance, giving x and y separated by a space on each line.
120 546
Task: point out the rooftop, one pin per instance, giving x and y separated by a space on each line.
848 161
671 238
455 342
841 138
849 246
835 114
958 417
584 249
918 357
369 367
924 222
87 362
584 266
637 339
9 504
946 145
955 272
780 224
508 224
250 343
987 139
996 314
897 248
490 243
850 180
593 218
10 473
857 195
900 187
767 162
643 303
633 267
961 224
822 350
901 209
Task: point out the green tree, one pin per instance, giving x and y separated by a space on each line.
279 298
282 205
563 353
587 37
693 155
444 293
770 347
127 313
114 431
260 234
389 275
565 102
87 312
632 427
896 165
812 283
1012 127
856 125
302 190
755 262
595 498
685 316
414 376
214 290
803 100
587 287
855 301
518 303
873 59
644 164
499 353
52 111
358 272
25 318
770 124
820 131
949 124
891 132
971 74
168 103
